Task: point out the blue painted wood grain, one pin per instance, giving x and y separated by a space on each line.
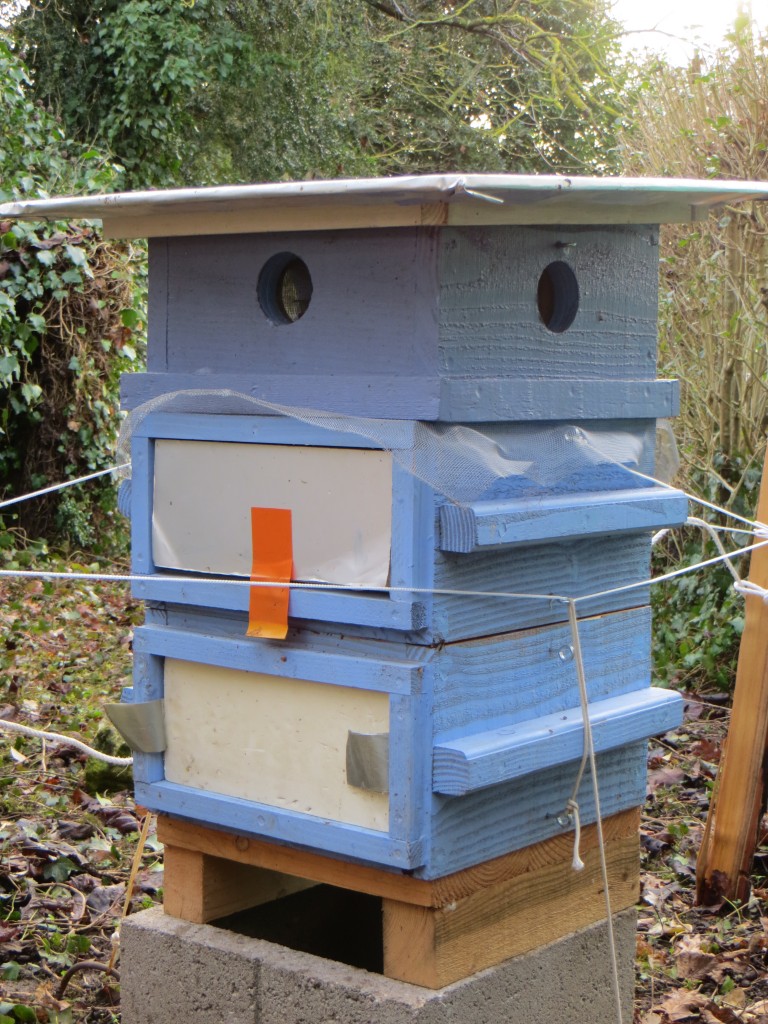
574 569
251 818
142 488
371 669
503 680
471 829
258 428
451 400
409 770
519 399
330 606
490 324
480 524
483 759
373 305
157 305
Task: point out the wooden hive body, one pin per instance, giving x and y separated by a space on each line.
470 702
418 324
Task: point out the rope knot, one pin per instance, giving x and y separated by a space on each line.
747 587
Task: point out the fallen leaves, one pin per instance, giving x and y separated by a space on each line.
705 964
66 850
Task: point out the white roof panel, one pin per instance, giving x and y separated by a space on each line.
437 199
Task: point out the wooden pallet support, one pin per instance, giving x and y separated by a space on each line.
434 932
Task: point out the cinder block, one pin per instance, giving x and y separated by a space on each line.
174 971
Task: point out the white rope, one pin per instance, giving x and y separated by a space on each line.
589 755
708 528
748 587
245 582
60 487
358 589
673 575
70 741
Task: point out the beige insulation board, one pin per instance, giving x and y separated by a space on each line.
272 740
340 499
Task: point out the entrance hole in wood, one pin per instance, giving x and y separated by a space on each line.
558 296
284 289
325 921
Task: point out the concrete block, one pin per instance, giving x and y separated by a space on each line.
175 971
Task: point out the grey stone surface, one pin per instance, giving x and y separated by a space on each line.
173 972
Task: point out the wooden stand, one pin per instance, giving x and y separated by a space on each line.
434 932
738 799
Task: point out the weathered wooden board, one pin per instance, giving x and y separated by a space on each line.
286 861
574 568
424 397
372 306
489 318
435 947
340 501
486 758
502 680
202 888
471 829
280 742
738 800
485 524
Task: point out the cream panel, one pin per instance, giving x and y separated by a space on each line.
272 740
341 500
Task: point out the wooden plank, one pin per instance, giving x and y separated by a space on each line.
434 947
478 400
576 212
201 888
480 524
506 680
484 759
427 397
392 885
353 609
738 799
355 664
383 395
280 825
334 217
490 324
581 566
338 217
372 310
471 829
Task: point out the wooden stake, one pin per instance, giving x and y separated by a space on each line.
738 800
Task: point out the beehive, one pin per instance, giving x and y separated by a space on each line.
408 719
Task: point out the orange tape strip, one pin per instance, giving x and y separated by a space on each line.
272 541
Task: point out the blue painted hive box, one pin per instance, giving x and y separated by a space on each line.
451 385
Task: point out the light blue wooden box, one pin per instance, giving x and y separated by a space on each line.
515 301
483 728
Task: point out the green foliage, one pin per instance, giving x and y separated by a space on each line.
698 618
131 76
208 91
706 121
70 314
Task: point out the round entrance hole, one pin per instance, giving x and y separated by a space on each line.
284 289
558 296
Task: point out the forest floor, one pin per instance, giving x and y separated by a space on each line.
69 834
